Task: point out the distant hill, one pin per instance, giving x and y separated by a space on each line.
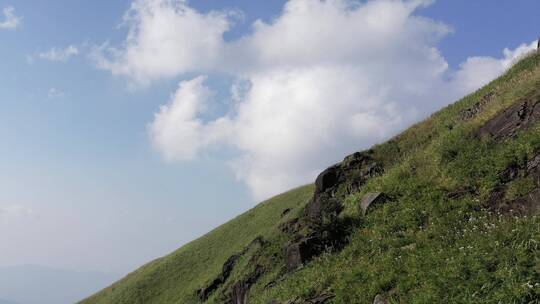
47 285
443 213
4 301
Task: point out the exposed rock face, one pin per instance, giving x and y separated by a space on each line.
319 299
315 231
301 251
226 270
509 122
370 199
477 107
285 212
339 180
241 288
528 203
291 226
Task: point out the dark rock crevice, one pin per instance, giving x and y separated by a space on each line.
240 290
226 270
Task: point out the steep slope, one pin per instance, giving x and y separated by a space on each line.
452 220
176 277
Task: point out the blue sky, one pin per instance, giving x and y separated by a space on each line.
94 178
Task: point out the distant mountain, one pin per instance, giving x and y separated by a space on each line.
32 284
4 301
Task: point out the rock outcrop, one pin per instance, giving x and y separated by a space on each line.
318 299
509 122
318 228
380 299
371 199
227 268
524 204
476 108
240 290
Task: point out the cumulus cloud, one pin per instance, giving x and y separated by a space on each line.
177 131
477 71
11 21
165 38
59 54
323 79
312 32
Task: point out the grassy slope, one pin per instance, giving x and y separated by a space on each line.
423 248
174 278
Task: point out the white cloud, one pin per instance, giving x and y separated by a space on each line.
59 54
55 93
477 71
15 211
11 21
323 79
165 38
177 131
312 32
293 121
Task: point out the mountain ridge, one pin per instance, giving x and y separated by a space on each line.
449 192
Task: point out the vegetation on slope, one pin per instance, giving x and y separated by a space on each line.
439 239
176 277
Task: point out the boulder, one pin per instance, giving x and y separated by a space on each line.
380 299
326 180
297 253
370 199
334 183
317 228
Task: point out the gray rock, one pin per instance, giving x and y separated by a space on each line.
380 299
240 289
370 199
411 246
476 108
509 122
297 253
317 228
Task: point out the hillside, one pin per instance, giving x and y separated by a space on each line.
452 219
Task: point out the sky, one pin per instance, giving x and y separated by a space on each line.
129 128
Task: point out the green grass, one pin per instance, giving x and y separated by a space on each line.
174 278
422 247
